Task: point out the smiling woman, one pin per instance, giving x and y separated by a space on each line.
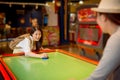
31 43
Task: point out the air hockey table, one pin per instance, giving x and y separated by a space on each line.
61 65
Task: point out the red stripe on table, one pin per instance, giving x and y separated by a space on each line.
4 73
8 70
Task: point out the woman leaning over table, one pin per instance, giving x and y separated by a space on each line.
31 43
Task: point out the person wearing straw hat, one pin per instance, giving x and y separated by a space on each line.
108 17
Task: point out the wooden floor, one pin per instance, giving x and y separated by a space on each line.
71 47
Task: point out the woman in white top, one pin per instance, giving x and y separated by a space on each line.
33 43
108 17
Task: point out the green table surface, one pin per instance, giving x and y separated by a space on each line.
58 67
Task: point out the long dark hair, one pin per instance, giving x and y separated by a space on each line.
38 43
113 17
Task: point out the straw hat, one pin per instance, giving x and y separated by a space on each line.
108 6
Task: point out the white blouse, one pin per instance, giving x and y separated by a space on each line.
26 45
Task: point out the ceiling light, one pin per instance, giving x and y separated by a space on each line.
81 2
23 6
10 5
53 1
36 7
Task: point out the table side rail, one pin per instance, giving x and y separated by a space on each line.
78 56
4 74
8 70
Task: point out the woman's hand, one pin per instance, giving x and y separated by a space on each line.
43 55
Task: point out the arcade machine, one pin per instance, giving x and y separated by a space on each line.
90 38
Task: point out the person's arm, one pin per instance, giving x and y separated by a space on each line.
27 49
109 61
32 54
